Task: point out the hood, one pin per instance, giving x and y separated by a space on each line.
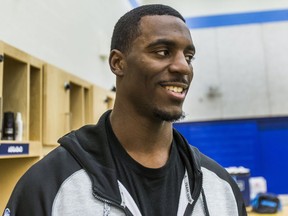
89 146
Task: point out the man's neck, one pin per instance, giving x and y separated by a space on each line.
146 141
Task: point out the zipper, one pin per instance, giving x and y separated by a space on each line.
109 202
106 211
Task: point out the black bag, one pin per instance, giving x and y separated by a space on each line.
265 203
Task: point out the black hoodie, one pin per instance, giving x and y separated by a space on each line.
79 178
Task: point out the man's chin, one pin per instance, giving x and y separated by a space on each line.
169 116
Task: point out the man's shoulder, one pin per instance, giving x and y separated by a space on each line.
40 184
53 168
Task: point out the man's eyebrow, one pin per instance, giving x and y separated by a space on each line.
161 42
169 43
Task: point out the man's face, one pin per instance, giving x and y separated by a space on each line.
158 70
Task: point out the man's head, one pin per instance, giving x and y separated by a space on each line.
127 27
151 55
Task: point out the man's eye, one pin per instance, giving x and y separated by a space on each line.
163 52
189 58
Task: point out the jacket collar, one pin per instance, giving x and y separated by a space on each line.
89 146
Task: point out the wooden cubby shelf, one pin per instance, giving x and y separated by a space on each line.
51 101
20 91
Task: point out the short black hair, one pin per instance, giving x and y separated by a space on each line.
126 29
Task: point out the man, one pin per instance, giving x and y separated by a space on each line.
133 162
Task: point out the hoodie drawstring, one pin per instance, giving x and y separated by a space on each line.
205 203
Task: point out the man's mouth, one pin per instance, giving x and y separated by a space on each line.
175 89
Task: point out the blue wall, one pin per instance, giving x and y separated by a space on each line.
259 144
231 19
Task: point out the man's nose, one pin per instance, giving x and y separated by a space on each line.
179 64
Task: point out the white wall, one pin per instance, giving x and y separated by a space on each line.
244 65
247 65
70 34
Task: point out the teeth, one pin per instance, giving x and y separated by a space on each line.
174 89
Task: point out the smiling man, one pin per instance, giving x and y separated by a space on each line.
132 162
154 74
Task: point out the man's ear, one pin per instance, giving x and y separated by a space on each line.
116 62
